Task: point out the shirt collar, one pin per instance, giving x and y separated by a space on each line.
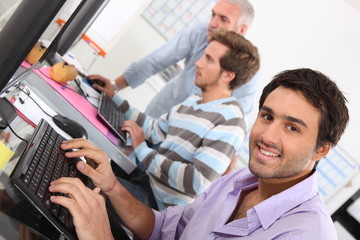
274 207
267 212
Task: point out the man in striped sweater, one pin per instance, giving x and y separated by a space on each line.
200 136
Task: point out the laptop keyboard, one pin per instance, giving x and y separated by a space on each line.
48 164
110 112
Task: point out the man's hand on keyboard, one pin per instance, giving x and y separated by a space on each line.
97 165
135 131
85 205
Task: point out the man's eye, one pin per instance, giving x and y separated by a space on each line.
267 117
224 19
293 128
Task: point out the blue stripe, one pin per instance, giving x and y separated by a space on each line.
226 137
166 198
178 149
163 125
191 126
154 165
173 173
215 163
196 183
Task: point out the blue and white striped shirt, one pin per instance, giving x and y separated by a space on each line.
198 141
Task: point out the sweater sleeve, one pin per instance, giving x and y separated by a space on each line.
209 161
154 128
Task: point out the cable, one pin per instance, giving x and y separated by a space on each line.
12 130
28 94
84 94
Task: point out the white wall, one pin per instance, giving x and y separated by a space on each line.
138 41
319 34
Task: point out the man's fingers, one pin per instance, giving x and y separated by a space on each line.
73 187
80 200
77 143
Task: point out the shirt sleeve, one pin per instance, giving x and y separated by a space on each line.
155 129
171 222
170 53
209 161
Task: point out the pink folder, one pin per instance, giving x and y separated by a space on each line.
76 100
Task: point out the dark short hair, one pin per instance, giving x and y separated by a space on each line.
322 93
242 58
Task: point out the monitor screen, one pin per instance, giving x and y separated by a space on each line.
22 31
79 21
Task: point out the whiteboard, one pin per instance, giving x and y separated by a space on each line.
114 20
171 16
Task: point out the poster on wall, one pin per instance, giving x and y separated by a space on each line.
171 16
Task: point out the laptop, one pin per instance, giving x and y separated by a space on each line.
41 163
112 116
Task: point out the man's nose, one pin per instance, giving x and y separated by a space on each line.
214 22
272 134
198 62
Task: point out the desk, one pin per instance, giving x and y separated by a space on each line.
61 106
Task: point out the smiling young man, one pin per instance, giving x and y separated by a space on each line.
302 114
189 45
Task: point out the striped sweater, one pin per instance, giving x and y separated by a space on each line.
198 141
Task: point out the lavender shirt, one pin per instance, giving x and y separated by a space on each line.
296 213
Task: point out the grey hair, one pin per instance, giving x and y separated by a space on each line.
247 11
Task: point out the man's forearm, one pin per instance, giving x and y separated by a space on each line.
138 217
120 82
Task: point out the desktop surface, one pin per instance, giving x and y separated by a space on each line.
68 103
18 218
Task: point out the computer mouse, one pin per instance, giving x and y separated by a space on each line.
98 82
69 126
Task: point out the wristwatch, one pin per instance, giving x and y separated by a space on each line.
114 87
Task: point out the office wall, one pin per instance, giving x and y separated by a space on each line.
321 34
138 41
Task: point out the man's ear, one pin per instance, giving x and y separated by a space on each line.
228 76
242 29
322 151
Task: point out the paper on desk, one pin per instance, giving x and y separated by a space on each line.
5 155
32 112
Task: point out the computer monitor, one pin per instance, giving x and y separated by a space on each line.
86 13
22 31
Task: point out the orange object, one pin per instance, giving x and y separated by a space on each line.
35 54
63 72
87 39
